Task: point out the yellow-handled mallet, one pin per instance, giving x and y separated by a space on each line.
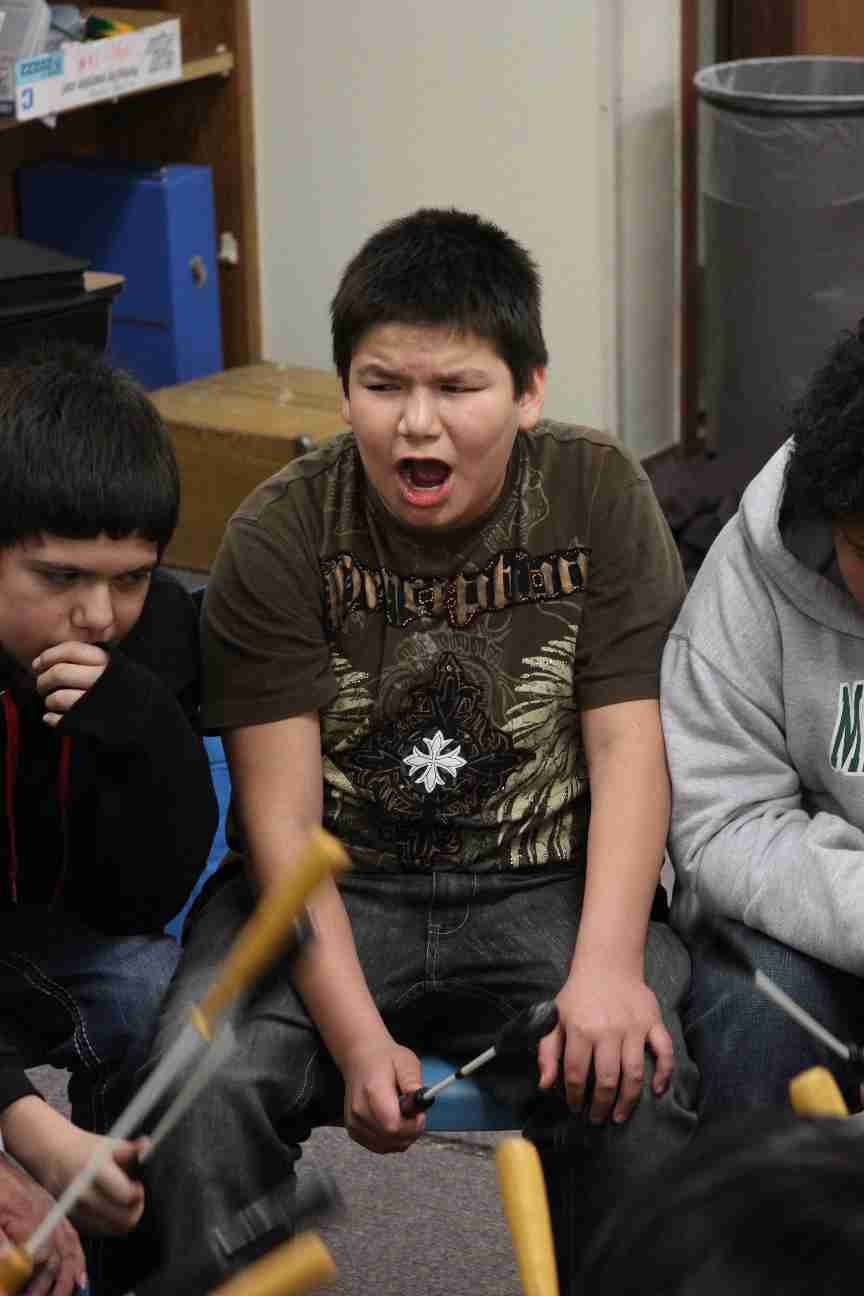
256 946
264 935
815 1092
221 1046
526 1207
721 933
296 1267
16 1266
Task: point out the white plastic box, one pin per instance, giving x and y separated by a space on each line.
86 72
24 27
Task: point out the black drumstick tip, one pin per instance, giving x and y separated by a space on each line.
411 1104
528 1027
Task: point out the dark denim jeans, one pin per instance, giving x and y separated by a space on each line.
449 958
747 1049
81 1001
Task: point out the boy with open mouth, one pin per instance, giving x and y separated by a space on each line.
440 635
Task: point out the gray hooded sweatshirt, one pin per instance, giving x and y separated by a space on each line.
763 714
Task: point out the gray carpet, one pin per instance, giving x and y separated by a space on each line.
427 1223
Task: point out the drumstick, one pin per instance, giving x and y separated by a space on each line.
16 1266
815 1093
223 1045
295 1267
716 931
526 1206
255 946
293 1206
264 934
524 1030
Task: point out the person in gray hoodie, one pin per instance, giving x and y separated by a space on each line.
763 714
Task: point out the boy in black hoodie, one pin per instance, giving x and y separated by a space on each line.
106 804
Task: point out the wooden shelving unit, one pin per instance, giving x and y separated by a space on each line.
193 70
204 118
215 65
779 28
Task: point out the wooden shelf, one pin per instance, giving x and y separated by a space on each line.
204 117
214 65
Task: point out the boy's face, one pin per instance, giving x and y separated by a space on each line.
434 416
54 591
849 547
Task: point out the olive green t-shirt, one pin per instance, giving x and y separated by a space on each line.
448 670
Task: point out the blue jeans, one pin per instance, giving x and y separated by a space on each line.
83 1002
747 1049
449 958
78 1000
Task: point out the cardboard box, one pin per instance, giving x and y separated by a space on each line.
233 430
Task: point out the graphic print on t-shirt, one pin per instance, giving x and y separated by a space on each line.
458 763
509 579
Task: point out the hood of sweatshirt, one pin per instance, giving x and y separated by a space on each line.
813 594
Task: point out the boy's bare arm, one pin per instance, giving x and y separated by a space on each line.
276 776
54 1150
608 1013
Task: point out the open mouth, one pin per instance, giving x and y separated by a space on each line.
424 474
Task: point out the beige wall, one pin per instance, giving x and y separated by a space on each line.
647 194
366 111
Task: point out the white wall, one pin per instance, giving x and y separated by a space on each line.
648 205
367 111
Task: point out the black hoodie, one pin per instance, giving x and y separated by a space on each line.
113 810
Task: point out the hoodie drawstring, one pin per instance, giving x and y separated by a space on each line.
10 712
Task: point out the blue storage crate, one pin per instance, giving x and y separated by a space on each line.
156 227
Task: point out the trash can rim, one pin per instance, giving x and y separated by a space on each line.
766 103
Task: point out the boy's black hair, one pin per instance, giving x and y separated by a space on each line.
825 470
82 451
443 267
765 1202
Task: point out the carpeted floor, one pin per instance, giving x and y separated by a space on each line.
429 1223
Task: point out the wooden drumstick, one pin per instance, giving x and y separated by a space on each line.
16 1266
524 1030
526 1206
264 934
221 1047
255 947
295 1267
815 1092
719 932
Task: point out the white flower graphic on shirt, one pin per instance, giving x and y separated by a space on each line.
426 765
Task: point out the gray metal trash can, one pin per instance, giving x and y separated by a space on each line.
783 204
